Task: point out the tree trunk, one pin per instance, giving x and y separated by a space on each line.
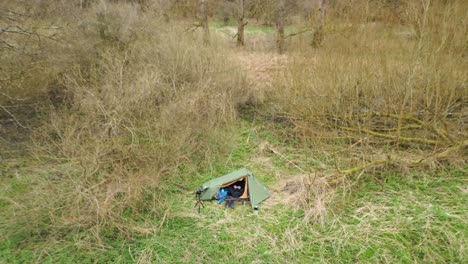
240 25
84 4
280 21
318 33
203 17
143 5
166 17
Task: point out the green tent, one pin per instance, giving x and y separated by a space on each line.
254 191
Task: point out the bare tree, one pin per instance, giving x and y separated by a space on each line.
22 44
318 33
163 8
280 21
241 24
203 18
84 3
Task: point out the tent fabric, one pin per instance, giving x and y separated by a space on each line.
257 192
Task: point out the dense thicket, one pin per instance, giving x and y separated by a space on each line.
121 103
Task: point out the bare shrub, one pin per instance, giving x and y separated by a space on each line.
141 102
310 193
116 23
382 88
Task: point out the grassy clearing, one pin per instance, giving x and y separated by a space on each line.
253 29
405 218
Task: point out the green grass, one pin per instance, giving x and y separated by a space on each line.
401 218
250 29
407 219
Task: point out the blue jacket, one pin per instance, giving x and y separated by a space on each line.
222 194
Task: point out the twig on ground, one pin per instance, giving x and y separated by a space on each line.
414 162
284 158
387 136
13 116
194 27
297 33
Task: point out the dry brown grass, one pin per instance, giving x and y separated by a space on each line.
260 69
132 101
373 85
310 193
126 102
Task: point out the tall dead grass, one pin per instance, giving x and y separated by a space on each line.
402 86
133 102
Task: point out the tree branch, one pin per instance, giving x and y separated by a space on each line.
194 27
387 136
13 116
415 162
11 98
297 33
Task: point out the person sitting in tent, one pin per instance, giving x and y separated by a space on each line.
254 191
235 190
